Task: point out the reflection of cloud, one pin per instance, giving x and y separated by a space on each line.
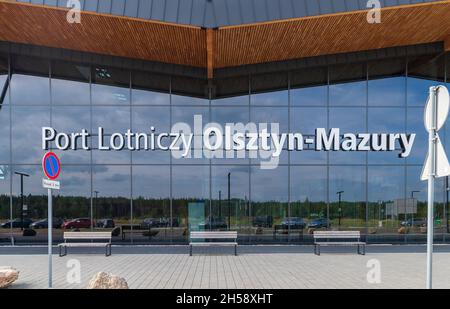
27 89
348 94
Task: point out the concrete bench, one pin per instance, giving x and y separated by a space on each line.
346 238
86 236
229 238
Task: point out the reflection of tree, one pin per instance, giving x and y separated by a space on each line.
67 207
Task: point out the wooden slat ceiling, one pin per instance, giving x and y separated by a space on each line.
331 34
103 34
228 46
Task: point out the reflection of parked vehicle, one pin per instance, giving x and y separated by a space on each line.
43 224
159 222
106 223
17 223
78 223
414 222
263 221
151 222
319 223
213 224
293 223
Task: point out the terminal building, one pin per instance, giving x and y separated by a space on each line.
298 64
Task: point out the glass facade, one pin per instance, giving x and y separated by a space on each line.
151 197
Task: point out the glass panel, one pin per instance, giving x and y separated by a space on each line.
386 120
348 120
238 116
70 83
5 208
190 199
143 118
112 120
5 134
309 197
30 83
27 123
386 189
111 189
413 217
347 197
151 203
184 100
72 203
415 125
34 205
230 209
110 86
269 200
305 120
73 119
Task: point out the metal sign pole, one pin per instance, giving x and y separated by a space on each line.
432 174
50 241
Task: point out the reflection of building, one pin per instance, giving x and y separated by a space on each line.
136 64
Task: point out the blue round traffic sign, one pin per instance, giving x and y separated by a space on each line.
51 165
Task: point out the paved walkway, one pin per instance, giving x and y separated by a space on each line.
336 269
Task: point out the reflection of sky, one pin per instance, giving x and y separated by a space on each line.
309 182
309 96
142 97
387 91
348 94
110 95
4 136
27 89
418 90
270 98
269 185
350 179
70 92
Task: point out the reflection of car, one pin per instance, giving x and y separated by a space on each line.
151 222
17 223
106 223
78 223
213 224
318 223
159 222
293 223
43 224
414 222
263 221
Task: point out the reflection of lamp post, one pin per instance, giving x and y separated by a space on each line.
446 204
220 204
412 211
339 193
229 201
92 213
21 196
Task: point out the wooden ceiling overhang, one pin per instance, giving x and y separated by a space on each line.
229 46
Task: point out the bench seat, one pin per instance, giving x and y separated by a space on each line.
84 244
346 238
231 236
79 236
213 244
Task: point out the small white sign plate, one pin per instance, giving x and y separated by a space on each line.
50 184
